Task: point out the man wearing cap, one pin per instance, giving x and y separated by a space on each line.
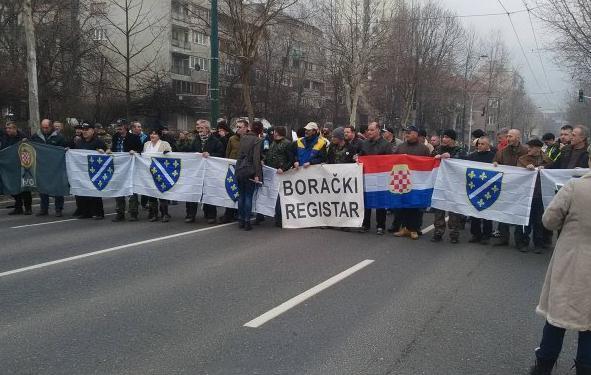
510 155
90 207
310 149
280 156
47 135
481 229
534 158
448 149
124 141
375 144
408 220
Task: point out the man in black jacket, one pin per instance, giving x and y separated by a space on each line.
13 136
481 229
124 141
208 145
574 155
49 136
90 207
447 149
375 145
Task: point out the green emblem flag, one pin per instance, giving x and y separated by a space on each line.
33 167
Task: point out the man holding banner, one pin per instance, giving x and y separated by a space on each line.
448 149
375 144
510 156
410 218
124 141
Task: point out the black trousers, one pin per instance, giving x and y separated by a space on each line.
90 206
23 199
380 218
209 211
410 218
480 228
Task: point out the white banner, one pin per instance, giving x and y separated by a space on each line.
174 176
502 193
220 188
92 174
553 179
322 195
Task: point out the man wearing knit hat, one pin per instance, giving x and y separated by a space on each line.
339 151
448 149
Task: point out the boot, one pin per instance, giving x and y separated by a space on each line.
42 213
165 215
247 225
153 213
582 369
16 211
241 224
542 367
133 216
403 232
58 213
28 211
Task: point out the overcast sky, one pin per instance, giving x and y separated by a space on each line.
559 81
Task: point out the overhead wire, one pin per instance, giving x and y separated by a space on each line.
523 50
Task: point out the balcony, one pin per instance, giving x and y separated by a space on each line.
181 44
181 70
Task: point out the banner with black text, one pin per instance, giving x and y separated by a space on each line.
322 195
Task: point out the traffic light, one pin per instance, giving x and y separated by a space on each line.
581 96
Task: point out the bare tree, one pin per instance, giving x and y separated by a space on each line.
129 34
570 23
354 33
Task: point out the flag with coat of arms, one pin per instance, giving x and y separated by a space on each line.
398 181
173 176
92 174
220 187
481 190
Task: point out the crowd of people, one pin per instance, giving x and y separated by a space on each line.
252 146
565 300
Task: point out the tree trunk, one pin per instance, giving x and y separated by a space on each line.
127 63
31 66
245 80
354 102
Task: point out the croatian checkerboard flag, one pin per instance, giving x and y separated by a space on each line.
92 174
398 181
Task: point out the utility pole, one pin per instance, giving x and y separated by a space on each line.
214 85
31 66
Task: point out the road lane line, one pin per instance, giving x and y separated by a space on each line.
53 222
110 250
275 312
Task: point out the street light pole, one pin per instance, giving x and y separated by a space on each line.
214 85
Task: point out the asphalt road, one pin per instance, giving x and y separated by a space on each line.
178 305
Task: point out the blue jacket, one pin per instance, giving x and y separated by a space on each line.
311 150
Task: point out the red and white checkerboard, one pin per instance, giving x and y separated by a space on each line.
400 182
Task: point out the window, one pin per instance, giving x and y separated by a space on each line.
189 88
317 86
310 67
99 34
200 38
295 63
98 8
201 13
201 61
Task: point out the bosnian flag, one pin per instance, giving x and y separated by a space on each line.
398 181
